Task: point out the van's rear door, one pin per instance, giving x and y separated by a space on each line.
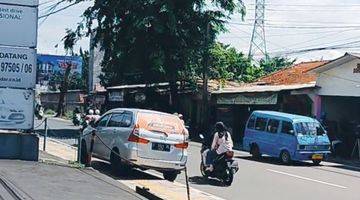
165 135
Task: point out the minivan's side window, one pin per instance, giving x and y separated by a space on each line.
115 120
103 121
273 126
260 124
120 120
126 120
287 128
251 122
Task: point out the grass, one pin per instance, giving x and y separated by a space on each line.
49 112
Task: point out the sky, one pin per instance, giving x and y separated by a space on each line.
290 26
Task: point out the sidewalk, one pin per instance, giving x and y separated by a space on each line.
160 187
41 181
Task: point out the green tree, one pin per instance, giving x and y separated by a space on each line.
152 40
275 64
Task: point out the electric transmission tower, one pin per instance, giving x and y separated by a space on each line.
258 42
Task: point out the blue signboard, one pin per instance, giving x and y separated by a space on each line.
51 68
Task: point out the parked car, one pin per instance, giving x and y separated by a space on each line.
287 136
143 138
10 114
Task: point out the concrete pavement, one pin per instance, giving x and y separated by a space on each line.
40 181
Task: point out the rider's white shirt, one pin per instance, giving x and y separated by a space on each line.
222 144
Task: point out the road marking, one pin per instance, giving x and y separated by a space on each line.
308 179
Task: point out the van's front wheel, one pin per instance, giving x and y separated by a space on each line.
285 157
170 175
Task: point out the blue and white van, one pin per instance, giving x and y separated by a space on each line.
287 136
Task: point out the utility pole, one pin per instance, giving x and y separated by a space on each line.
258 41
205 93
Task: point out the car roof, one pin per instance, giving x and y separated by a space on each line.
283 115
136 110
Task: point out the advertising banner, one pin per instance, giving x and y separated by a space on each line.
21 2
18 25
17 67
16 109
51 69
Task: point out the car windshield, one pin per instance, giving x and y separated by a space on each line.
309 128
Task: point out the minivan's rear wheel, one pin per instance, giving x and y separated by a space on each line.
255 151
285 157
170 175
117 167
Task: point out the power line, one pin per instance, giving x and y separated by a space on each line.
59 10
319 38
310 5
338 46
299 27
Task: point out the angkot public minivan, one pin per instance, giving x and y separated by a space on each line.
286 136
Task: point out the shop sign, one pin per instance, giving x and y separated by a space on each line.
116 96
17 67
18 25
16 109
241 99
21 2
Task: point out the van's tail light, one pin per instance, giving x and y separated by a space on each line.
184 145
134 136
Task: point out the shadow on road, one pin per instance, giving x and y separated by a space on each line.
134 174
60 133
199 180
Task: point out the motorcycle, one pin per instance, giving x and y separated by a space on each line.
76 119
225 166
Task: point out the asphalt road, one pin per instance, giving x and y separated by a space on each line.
263 179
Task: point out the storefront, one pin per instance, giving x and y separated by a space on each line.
338 90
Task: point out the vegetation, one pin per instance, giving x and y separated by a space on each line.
152 40
49 112
148 41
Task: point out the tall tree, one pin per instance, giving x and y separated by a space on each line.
153 39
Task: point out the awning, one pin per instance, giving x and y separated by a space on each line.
248 99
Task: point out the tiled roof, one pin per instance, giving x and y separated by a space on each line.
296 74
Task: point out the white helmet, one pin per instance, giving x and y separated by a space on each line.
91 112
97 112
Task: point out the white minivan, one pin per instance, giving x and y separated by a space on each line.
139 138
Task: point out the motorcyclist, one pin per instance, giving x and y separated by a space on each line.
76 116
97 115
222 142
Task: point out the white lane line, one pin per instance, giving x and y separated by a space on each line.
305 178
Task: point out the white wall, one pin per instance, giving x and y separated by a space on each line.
340 81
